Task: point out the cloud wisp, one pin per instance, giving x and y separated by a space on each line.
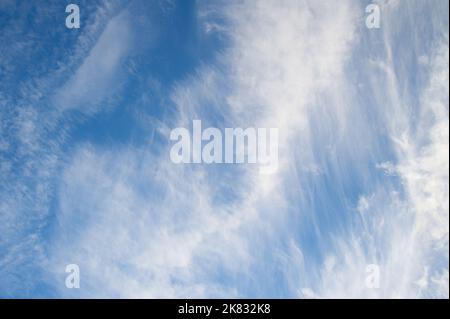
362 178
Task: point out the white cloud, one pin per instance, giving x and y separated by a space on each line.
406 228
99 76
140 226
177 243
32 132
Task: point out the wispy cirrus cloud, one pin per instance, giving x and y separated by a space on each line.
33 130
363 174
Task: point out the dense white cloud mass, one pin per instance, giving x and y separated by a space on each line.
363 161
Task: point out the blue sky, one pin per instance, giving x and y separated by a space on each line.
86 178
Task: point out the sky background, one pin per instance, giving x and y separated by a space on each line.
86 177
